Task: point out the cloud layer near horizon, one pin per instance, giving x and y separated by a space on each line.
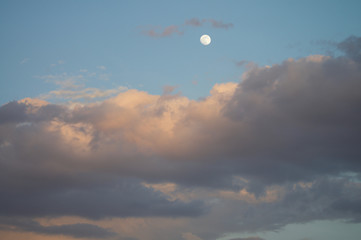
252 156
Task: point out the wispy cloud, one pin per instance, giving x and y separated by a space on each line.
72 86
25 60
241 63
351 47
195 22
64 80
158 32
220 24
86 93
101 67
59 62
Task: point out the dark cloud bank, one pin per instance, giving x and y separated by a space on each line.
248 238
286 125
80 230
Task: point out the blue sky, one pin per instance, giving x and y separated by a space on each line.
116 121
88 34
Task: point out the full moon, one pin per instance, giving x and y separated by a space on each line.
205 39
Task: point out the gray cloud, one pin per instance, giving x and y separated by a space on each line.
79 230
248 238
160 32
220 24
156 32
293 203
126 199
241 63
292 126
12 112
300 119
195 22
304 204
351 47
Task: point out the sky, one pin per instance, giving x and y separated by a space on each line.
117 123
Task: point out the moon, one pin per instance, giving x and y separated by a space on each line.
205 40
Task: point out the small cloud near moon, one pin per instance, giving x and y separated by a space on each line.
205 39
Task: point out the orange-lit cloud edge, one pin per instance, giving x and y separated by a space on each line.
252 156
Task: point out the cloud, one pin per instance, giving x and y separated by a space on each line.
159 32
295 108
71 87
126 199
279 147
248 238
351 47
101 67
167 89
86 93
241 63
190 236
220 24
59 62
300 203
128 238
25 60
64 80
12 112
195 22
79 230
269 119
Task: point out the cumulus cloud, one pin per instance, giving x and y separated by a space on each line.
279 147
296 108
12 112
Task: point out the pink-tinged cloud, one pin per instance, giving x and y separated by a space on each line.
157 32
195 22
252 156
248 238
220 24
